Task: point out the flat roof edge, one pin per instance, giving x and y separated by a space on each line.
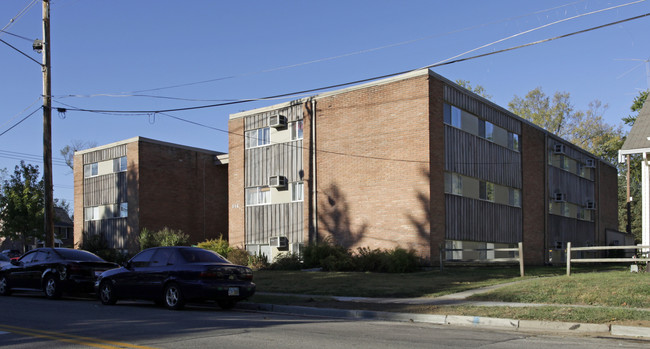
152 141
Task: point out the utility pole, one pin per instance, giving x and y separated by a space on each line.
47 129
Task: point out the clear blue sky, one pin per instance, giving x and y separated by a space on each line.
105 52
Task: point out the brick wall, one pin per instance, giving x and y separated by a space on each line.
78 174
236 207
534 206
606 201
373 166
437 168
181 189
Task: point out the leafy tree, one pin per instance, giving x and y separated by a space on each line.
478 89
22 204
637 104
68 151
586 129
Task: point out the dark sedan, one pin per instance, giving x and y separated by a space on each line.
53 271
174 275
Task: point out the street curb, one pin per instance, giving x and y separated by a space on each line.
455 320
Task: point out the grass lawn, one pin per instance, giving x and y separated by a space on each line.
624 296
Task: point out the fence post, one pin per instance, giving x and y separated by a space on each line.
568 259
521 259
442 255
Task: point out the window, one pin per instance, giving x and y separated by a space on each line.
486 130
119 164
124 209
513 141
120 210
142 259
452 116
453 183
92 213
258 138
486 191
91 170
514 197
258 196
297 191
296 130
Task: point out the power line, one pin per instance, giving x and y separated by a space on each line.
21 52
16 35
20 14
19 122
358 81
137 93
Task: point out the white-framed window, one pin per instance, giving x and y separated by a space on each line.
92 213
119 164
258 138
297 191
258 196
91 170
296 130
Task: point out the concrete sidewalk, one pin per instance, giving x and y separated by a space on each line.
454 320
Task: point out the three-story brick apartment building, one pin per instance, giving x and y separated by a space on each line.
414 161
124 187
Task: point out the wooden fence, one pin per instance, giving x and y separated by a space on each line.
519 259
570 260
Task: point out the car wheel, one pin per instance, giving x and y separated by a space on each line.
107 293
173 297
226 305
52 287
4 286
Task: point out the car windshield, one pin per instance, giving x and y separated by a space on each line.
201 256
4 258
78 255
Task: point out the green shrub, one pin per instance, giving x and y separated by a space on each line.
258 261
402 261
238 256
316 253
219 246
369 260
164 237
98 245
286 261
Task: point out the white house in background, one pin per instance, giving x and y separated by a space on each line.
638 142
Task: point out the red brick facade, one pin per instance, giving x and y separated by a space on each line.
167 186
379 166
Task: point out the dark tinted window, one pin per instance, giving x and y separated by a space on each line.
4 258
27 257
162 257
39 256
197 255
78 255
143 258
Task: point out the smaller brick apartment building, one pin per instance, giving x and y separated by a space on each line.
414 161
124 187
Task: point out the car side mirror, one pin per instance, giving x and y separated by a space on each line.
127 265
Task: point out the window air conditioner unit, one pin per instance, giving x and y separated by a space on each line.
559 149
279 241
590 205
277 121
559 197
278 182
590 163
